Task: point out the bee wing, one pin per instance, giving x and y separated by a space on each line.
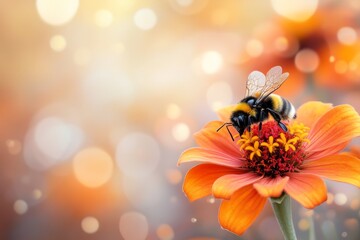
274 79
255 83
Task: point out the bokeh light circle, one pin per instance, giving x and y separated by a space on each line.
93 167
347 35
145 19
307 60
103 18
165 232
211 62
57 12
51 141
90 225
20 207
137 154
219 94
133 226
295 10
181 132
58 43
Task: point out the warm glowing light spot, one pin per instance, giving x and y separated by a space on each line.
331 59
58 43
295 10
353 66
185 3
254 48
20 207
37 194
133 226
174 176
281 44
211 62
81 56
137 155
173 111
93 167
303 224
352 223
90 225
219 94
355 204
219 16
181 132
165 232
340 199
193 220
307 60
341 66
103 18
145 19
211 200
57 12
14 146
347 35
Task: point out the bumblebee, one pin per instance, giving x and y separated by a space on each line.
260 102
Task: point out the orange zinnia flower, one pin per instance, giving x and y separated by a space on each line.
256 166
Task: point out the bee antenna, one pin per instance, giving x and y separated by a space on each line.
227 128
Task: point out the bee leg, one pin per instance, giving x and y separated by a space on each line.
227 128
277 118
262 118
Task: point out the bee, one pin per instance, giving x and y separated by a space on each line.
260 102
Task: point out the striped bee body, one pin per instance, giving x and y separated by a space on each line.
260 102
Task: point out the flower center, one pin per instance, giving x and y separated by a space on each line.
273 152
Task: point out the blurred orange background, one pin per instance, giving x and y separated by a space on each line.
99 98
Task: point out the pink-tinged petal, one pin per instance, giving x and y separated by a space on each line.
309 190
335 127
310 112
226 185
199 180
342 167
225 113
220 140
209 156
315 155
271 187
238 213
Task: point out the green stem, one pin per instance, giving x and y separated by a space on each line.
283 213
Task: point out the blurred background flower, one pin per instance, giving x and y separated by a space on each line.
99 98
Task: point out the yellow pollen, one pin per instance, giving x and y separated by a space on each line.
287 143
270 144
246 139
254 150
300 130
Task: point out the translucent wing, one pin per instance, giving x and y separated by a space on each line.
274 79
255 83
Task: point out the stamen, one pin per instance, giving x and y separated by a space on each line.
274 152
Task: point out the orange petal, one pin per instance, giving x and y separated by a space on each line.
220 140
199 180
307 189
341 167
238 213
226 185
310 112
225 113
271 187
335 127
209 156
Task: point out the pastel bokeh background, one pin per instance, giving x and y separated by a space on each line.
99 98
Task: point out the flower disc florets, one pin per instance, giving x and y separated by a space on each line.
273 152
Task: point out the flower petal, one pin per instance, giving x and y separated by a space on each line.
307 189
226 185
209 156
238 213
225 113
341 167
335 127
310 112
220 140
271 187
199 180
